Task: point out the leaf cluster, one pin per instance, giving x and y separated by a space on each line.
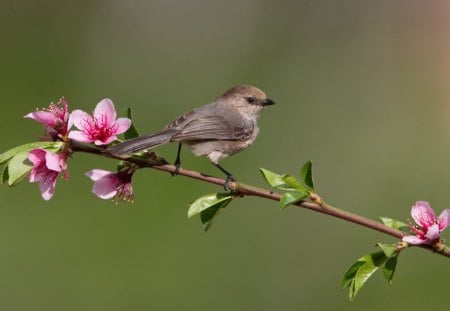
294 190
209 207
16 164
358 274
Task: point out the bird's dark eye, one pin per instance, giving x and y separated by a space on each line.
250 99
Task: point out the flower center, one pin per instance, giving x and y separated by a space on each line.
98 128
124 193
61 118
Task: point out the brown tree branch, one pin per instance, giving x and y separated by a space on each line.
243 189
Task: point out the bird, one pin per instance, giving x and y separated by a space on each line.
223 127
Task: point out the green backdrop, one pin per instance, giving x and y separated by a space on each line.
362 89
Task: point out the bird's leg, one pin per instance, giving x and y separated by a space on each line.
229 179
177 161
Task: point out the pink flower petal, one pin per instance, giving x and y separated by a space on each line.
69 122
44 117
105 187
444 219
33 176
78 118
47 189
53 161
123 124
36 175
412 239
433 232
79 136
109 140
36 156
423 214
105 108
96 174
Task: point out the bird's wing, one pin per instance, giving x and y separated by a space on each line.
228 125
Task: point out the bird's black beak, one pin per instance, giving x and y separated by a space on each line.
268 102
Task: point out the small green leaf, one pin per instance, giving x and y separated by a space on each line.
53 146
208 201
388 249
209 207
5 174
349 276
306 174
207 216
389 268
391 262
396 224
358 274
272 178
132 131
18 168
285 182
291 197
361 277
371 264
293 184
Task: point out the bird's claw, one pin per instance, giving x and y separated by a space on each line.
227 185
177 169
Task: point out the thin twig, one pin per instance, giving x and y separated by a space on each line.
243 189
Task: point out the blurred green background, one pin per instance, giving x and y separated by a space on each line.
362 89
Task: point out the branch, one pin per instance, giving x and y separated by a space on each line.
243 189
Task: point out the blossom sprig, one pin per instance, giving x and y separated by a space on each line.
112 185
102 127
46 168
45 160
55 119
428 229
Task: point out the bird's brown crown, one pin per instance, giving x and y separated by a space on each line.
251 93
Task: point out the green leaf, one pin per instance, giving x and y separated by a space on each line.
207 216
132 131
209 207
361 271
18 168
272 178
285 182
350 274
358 274
371 264
5 174
389 268
391 262
293 184
396 224
53 146
208 201
306 174
388 249
291 197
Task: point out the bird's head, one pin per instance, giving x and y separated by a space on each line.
248 100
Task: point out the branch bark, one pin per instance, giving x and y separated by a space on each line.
244 189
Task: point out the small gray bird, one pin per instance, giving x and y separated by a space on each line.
216 130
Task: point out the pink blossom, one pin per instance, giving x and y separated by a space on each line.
102 127
110 185
428 228
55 119
46 168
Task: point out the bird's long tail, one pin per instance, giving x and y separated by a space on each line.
142 142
